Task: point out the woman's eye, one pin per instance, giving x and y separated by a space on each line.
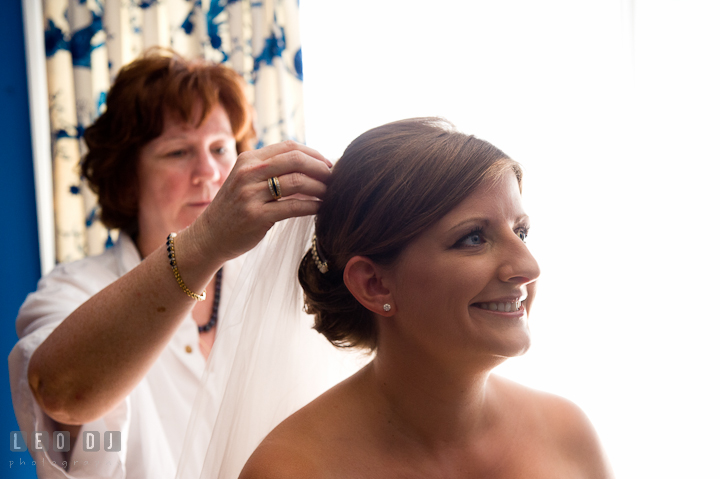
522 234
475 238
177 153
221 151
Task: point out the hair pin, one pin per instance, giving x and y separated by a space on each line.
320 262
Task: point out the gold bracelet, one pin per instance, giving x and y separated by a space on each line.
173 264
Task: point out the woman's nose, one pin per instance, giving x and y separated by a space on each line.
206 167
518 264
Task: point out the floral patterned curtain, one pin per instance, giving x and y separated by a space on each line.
88 41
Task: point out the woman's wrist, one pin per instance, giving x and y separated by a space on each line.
194 258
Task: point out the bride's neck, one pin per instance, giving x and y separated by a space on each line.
433 402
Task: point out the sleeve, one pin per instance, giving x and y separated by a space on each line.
58 295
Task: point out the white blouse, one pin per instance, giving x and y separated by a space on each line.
152 420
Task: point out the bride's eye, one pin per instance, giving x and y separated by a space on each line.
474 238
522 234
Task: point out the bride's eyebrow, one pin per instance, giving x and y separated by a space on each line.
484 222
475 221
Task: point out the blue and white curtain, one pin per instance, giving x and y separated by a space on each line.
88 41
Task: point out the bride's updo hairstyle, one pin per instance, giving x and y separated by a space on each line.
391 184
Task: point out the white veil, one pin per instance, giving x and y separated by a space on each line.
266 362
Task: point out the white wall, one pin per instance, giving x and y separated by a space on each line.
613 107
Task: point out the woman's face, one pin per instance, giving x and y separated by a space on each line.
181 171
463 288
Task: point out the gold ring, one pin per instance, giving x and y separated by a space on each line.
274 186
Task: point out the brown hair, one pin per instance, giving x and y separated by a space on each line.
390 185
160 82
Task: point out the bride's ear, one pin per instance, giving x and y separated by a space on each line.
364 280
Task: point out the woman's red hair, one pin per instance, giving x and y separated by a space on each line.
160 82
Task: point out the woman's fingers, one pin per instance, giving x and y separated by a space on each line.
298 184
268 152
294 161
291 208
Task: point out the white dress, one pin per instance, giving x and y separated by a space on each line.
154 417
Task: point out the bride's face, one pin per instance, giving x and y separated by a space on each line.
464 287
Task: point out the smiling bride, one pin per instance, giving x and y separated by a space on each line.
420 258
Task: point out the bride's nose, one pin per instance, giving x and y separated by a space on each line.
518 265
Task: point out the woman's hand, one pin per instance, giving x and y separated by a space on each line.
244 209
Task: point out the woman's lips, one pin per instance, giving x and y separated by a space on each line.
508 307
504 304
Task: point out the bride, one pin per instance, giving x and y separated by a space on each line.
419 260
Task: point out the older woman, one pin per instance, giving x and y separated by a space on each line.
420 257
114 346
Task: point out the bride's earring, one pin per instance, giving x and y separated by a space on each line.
386 307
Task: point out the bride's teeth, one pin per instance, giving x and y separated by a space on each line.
511 306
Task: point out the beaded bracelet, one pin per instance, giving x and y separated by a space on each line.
173 264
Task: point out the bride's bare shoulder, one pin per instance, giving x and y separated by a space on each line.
289 451
281 457
299 446
560 421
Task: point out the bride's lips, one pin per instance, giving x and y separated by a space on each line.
509 306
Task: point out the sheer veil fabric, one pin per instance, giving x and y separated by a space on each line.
266 362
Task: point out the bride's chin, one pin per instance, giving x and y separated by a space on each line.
510 347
